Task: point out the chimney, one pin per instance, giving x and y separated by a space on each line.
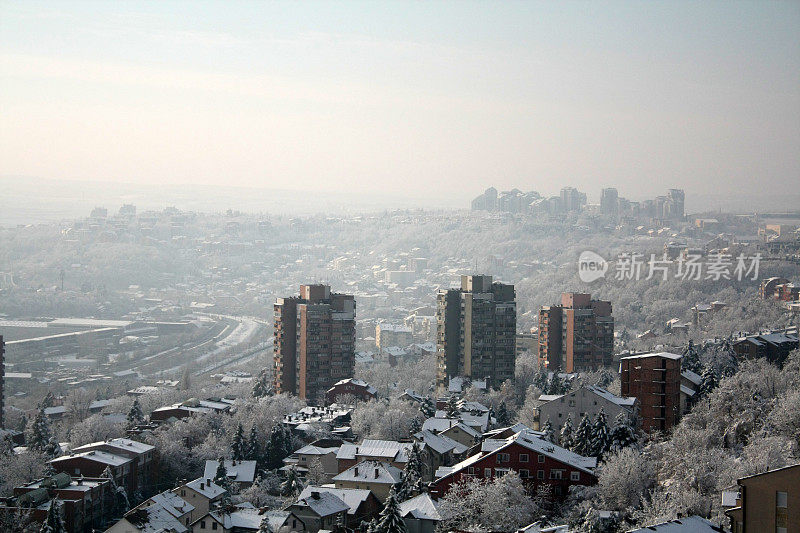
208 481
356 471
315 495
376 473
202 486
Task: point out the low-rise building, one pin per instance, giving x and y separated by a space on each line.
767 502
350 387
242 473
375 476
588 399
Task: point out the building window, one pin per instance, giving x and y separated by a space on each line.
523 458
781 512
202 524
541 459
540 474
575 476
572 403
524 474
471 470
503 458
214 526
487 472
556 474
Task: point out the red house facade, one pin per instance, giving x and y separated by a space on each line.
537 461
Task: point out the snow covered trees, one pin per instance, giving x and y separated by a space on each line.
411 482
238 444
452 407
498 504
279 446
262 387
503 419
549 434
53 523
252 447
292 486
600 436
390 521
623 434
135 414
118 495
582 441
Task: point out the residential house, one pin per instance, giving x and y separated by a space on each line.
767 502
420 514
774 347
202 493
375 476
242 518
387 451
361 390
363 505
142 456
536 460
689 524
317 511
242 473
588 399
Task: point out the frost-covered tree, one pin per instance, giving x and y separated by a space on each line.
118 495
135 414
452 407
53 523
415 426
549 433
390 520
691 358
582 441
279 446
39 433
708 382
253 447
623 434
565 438
600 435
292 486
427 408
384 419
262 387
503 419
221 475
238 444
411 479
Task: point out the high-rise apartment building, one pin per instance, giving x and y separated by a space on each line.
476 331
675 201
572 199
314 341
609 201
655 380
576 335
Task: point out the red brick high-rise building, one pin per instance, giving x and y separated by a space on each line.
314 341
655 380
576 335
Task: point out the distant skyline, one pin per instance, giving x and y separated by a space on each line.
400 98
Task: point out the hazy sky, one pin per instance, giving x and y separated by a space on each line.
423 97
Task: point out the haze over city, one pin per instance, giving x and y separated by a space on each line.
429 100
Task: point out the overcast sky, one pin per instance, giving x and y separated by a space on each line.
428 97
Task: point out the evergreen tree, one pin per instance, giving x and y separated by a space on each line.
691 358
623 433
262 387
40 432
221 475
427 408
135 415
411 479
53 523
566 433
582 441
390 521
600 435
549 434
48 401
555 384
237 446
540 379
503 418
279 446
415 426
709 382
119 496
452 407
253 448
292 486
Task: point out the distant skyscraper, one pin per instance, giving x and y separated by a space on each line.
676 200
314 341
572 199
477 327
609 201
576 335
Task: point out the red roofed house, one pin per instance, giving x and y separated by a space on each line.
537 461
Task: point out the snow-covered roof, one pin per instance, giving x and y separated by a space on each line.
622 401
173 503
357 383
665 355
323 503
531 441
372 472
120 444
155 519
690 524
95 455
729 498
241 472
209 489
310 449
687 391
440 443
243 518
691 376
439 425
421 507
389 449
352 497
